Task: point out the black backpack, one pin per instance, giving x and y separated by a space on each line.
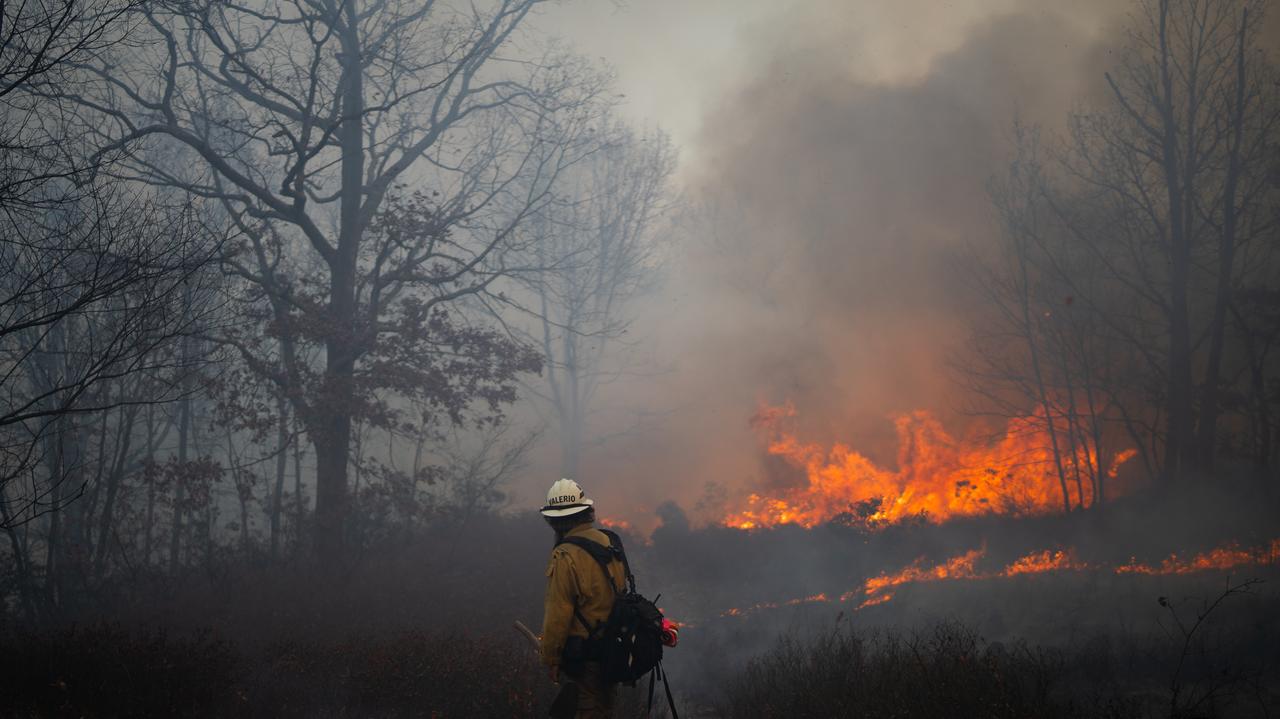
628 644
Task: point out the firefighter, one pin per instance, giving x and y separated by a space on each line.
579 598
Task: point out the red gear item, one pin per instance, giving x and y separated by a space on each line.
670 632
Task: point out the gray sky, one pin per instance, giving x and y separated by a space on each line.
677 59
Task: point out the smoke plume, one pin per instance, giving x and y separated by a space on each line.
840 193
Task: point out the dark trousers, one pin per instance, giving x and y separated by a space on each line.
584 694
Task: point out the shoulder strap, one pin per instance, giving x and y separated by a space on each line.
616 544
671 702
602 555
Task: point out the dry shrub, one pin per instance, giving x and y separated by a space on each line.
943 671
103 671
106 671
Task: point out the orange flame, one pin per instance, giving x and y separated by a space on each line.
875 590
1121 457
1228 557
961 567
872 601
615 524
1046 561
937 476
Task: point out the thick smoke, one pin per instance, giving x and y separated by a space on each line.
839 204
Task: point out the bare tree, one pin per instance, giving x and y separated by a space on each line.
90 297
1173 153
309 121
39 44
96 299
596 249
1015 290
1144 233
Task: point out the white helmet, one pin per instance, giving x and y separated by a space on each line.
564 498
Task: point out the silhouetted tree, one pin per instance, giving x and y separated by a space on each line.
595 251
1145 230
309 122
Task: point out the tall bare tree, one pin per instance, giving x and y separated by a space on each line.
310 120
1154 221
1173 152
596 249
89 274
1016 289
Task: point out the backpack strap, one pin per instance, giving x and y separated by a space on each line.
615 543
583 621
671 702
603 555
658 671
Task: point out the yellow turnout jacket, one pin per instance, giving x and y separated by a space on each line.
574 578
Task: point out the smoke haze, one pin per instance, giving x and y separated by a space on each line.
838 177
311 432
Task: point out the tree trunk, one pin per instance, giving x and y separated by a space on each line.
1260 422
571 422
21 562
179 491
333 440
114 478
1210 402
299 509
238 478
149 523
282 462
1029 331
1098 474
1178 438
54 544
72 448
1073 424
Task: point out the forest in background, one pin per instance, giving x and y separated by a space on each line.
274 276
283 283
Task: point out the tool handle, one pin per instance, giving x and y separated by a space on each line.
528 634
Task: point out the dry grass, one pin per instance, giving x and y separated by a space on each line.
947 670
106 671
